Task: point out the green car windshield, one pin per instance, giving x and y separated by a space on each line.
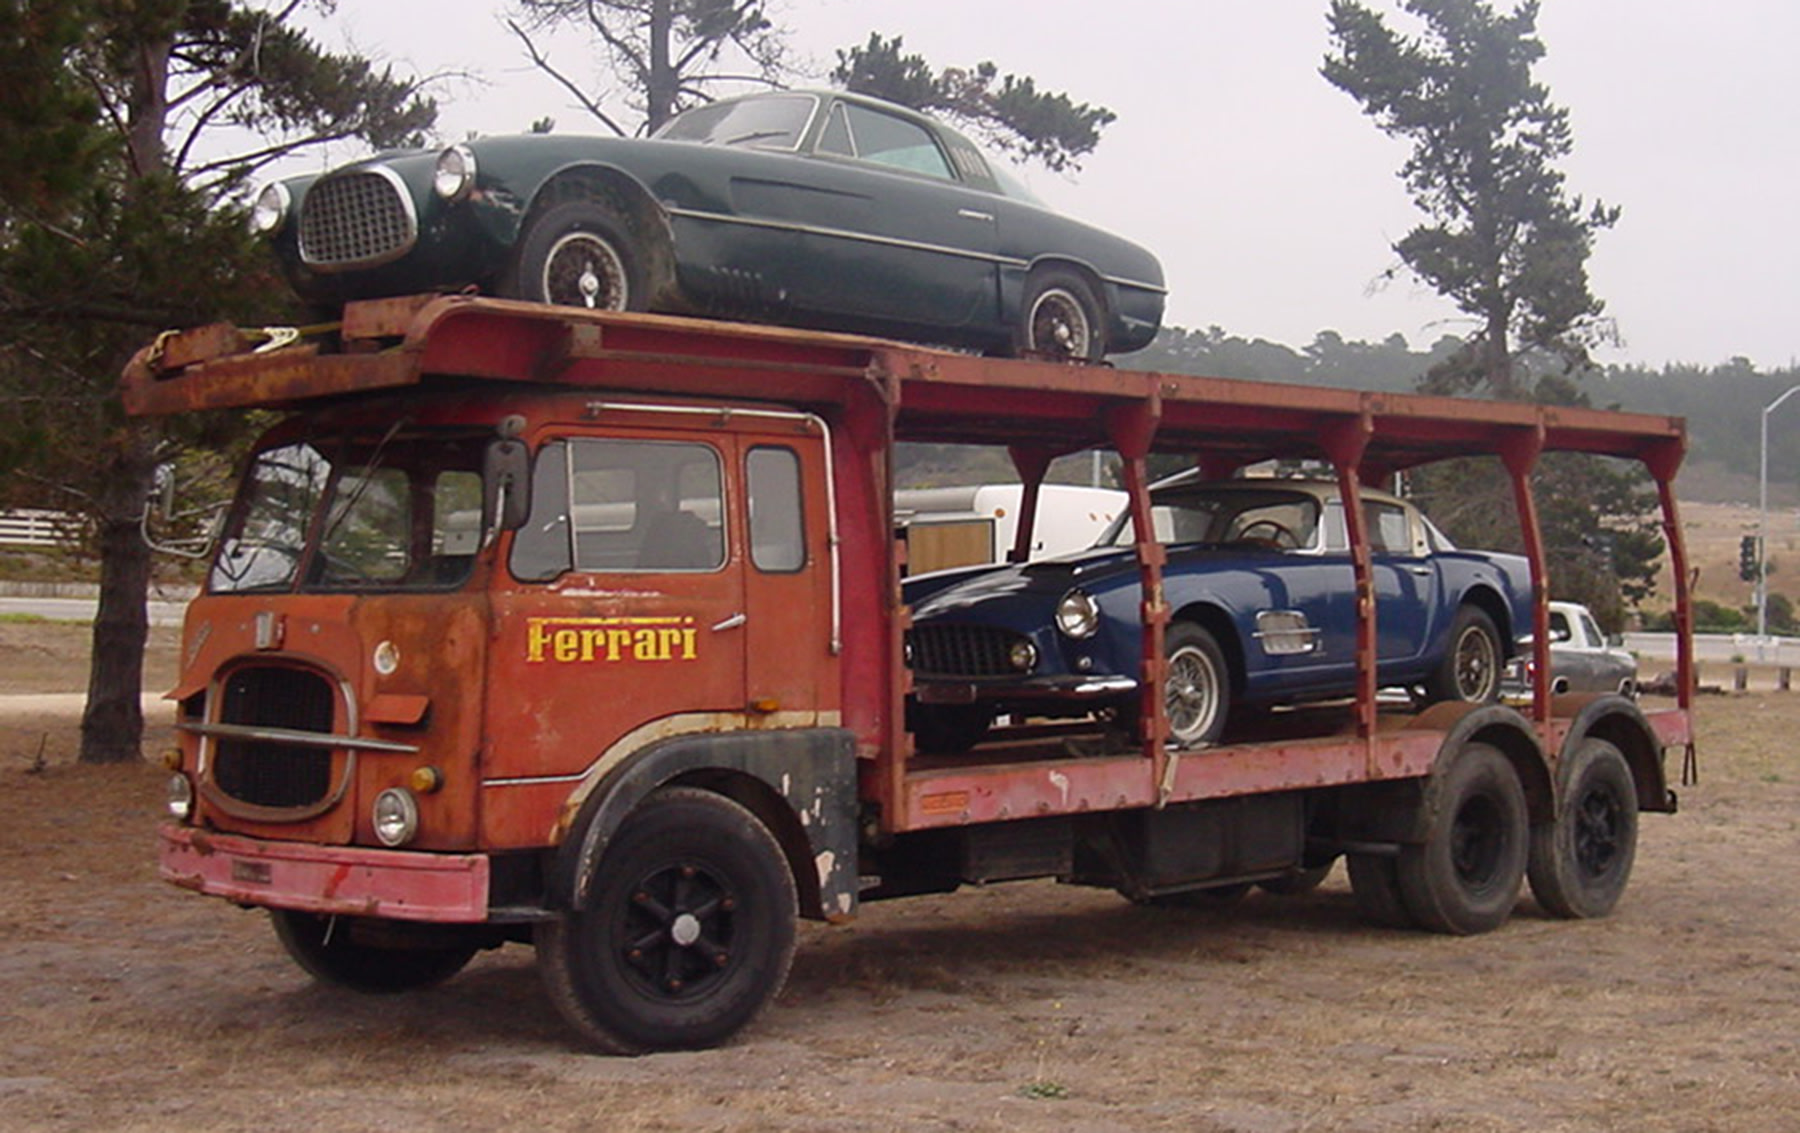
773 121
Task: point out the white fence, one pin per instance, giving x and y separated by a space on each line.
37 527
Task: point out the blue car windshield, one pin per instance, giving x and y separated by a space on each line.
1280 520
773 121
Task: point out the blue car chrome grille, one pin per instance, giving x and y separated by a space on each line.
356 220
962 651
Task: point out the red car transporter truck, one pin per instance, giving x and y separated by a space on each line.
585 630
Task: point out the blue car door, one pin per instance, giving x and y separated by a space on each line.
1407 583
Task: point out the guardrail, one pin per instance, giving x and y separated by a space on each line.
38 527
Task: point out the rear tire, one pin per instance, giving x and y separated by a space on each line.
1376 886
1061 317
1581 862
1470 670
1465 877
327 948
687 933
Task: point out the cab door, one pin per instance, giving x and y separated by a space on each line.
790 598
618 615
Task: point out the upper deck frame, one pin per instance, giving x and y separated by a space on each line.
881 392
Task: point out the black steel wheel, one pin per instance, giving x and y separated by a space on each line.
577 254
687 932
1061 317
1465 877
1470 670
337 951
1197 690
1581 862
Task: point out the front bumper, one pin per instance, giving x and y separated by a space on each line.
342 880
939 690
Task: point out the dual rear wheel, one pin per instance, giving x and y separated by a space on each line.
1479 846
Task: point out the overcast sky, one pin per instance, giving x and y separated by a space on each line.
1272 202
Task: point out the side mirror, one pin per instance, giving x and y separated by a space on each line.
506 484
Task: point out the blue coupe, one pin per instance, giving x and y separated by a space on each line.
818 209
1259 585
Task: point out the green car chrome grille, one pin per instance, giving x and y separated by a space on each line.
356 220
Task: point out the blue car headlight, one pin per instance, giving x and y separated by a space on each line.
1077 615
454 177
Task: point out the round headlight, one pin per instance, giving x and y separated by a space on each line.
455 174
181 798
270 211
396 816
1077 615
1023 655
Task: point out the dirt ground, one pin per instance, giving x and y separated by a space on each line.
126 1004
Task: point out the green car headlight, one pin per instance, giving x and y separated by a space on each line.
270 211
454 178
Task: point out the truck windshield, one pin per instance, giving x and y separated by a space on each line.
394 511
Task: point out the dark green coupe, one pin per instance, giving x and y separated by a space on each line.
817 209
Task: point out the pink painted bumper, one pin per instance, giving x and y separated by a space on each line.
345 880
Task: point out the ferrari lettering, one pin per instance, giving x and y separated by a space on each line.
606 640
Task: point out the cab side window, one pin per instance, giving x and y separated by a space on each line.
618 506
777 523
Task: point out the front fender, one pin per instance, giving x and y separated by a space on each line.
800 782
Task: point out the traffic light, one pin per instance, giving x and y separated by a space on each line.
1747 558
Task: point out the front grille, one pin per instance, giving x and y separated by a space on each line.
265 772
356 220
962 651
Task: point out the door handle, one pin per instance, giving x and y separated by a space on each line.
732 622
975 214
1421 571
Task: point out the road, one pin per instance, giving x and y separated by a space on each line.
162 613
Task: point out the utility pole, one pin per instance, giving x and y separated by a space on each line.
1762 525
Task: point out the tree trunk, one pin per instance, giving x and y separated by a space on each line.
112 725
663 85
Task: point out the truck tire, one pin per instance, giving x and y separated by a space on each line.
1376 887
687 932
1470 670
577 254
330 954
1581 862
1465 877
1197 689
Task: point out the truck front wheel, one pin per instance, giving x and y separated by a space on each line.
687 932
332 950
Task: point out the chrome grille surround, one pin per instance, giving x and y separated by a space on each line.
357 219
953 650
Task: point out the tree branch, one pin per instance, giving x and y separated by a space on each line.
543 64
